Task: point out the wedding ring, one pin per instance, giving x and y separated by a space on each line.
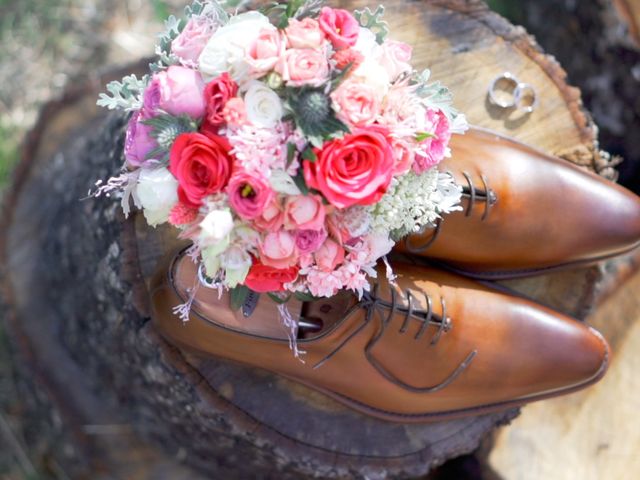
526 98
503 91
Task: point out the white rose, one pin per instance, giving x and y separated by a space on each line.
157 191
367 44
236 262
216 226
225 50
264 107
372 73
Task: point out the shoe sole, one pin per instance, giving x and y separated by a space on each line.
524 273
465 412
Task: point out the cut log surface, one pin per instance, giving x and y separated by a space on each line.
75 279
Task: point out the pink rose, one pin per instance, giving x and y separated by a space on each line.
396 58
192 40
432 150
278 250
354 170
217 93
329 255
304 33
138 143
303 67
339 26
248 195
272 218
356 103
176 91
235 112
309 241
264 52
304 212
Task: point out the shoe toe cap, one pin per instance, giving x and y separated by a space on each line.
558 354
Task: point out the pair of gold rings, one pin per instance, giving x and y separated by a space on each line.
506 91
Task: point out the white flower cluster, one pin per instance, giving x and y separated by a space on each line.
414 202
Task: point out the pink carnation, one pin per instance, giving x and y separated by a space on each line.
182 214
323 284
433 149
249 195
235 112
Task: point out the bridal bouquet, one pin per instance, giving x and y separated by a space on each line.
292 145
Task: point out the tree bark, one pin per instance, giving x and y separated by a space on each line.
74 283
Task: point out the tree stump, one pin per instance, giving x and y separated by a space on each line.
74 279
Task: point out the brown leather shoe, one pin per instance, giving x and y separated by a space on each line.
526 212
438 347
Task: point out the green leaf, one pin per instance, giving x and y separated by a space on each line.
422 136
166 128
373 21
340 77
306 297
300 183
238 296
125 95
277 299
291 153
309 155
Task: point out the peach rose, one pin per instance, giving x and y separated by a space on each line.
278 250
356 103
299 67
304 33
304 212
329 256
264 52
272 218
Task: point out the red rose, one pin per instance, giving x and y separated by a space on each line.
216 95
202 164
263 279
354 170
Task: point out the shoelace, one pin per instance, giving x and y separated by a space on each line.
487 196
373 304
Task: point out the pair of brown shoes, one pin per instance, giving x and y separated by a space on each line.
438 345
